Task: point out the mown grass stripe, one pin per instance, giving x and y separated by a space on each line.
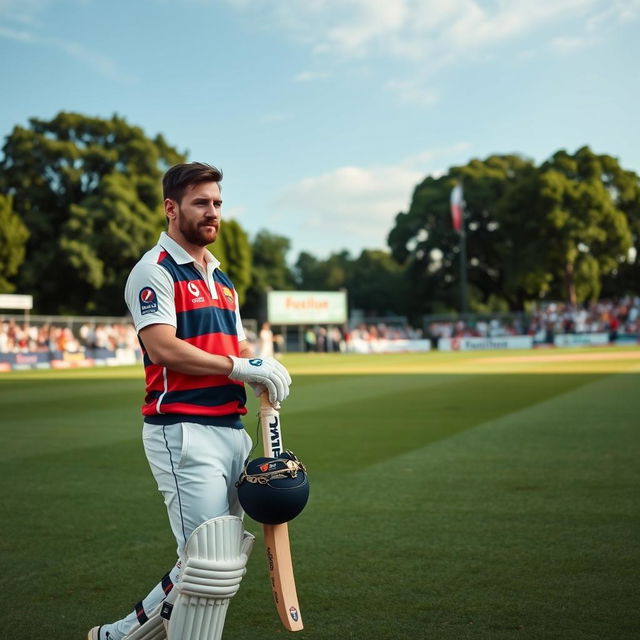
442 506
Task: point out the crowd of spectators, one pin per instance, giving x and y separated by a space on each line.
614 317
380 336
476 328
28 337
383 331
324 339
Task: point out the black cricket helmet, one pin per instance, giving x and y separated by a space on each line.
273 490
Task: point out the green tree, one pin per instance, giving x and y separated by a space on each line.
336 270
592 209
13 239
88 190
587 235
624 187
308 273
312 274
377 285
375 282
269 271
423 239
503 263
532 232
233 249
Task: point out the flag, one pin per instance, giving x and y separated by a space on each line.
456 207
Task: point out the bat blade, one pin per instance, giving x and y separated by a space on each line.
276 536
283 586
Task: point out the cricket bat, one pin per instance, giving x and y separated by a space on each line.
276 536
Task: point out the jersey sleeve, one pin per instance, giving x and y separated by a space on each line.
149 294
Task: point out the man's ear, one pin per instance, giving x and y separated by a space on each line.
170 208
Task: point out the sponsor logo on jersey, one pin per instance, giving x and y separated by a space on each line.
195 292
148 301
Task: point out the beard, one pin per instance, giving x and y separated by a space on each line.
198 233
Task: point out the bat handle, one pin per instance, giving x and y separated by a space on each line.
265 403
264 400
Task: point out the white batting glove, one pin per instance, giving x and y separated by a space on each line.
258 389
263 371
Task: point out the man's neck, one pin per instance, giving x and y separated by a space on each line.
197 252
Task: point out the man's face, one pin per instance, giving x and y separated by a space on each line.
198 213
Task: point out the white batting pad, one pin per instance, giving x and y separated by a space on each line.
152 629
215 561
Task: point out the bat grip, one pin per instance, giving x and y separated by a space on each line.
264 400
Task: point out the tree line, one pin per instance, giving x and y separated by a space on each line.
81 200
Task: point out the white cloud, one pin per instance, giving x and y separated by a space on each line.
350 206
310 76
435 32
367 21
627 10
613 13
15 34
570 44
475 26
354 207
425 37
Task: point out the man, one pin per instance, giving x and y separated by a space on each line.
196 358
265 341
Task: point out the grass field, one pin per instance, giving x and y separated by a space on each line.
469 495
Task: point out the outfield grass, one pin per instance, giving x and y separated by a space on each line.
453 496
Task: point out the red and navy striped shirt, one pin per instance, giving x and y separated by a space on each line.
207 319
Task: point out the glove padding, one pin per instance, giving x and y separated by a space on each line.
267 372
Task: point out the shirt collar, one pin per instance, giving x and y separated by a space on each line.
181 256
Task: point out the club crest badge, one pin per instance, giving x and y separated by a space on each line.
148 301
228 294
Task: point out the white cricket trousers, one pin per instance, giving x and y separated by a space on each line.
196 467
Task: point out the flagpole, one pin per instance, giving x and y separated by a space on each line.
464 297
458 218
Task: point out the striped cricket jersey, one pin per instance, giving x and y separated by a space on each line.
167 287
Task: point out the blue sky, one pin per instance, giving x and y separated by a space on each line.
325 114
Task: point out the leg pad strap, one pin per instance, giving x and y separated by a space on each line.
211 579
152 629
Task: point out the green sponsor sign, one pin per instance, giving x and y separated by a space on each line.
307 307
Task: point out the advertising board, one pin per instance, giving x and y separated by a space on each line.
307 307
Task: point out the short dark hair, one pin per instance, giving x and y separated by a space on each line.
181 176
